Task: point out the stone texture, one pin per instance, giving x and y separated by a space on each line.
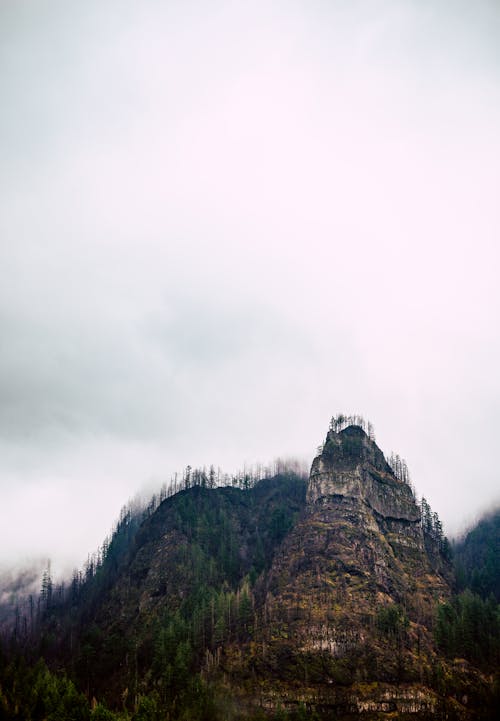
357 550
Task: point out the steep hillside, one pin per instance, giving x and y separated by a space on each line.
330 597
180 588
351 594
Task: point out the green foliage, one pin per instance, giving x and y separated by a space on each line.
148 709
391 620
101 713
224 539
330 450
477 558
435 540
352 446
469 627
280 524
36 694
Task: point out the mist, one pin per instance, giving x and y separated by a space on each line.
220 225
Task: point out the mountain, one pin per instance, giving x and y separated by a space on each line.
177 589
331 596
350 596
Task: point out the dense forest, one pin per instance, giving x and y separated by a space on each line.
127 638
477 557
61 624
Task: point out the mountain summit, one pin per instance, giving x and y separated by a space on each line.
361 537
352 466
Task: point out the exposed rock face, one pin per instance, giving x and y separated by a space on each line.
352 588
361 535
352 466
370 518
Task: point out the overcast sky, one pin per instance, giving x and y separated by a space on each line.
223 222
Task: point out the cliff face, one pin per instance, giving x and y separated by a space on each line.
361 533
351 592
352 466
371 521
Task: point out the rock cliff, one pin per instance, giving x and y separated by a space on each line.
361 535
350 596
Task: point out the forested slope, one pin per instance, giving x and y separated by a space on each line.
477 557
330 597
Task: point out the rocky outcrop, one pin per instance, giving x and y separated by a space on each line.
351 592
352 466
361 535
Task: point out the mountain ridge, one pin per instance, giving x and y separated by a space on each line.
283 594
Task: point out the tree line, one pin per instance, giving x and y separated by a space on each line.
341 421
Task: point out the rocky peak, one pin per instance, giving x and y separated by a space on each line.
351 465
351 446
356 555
